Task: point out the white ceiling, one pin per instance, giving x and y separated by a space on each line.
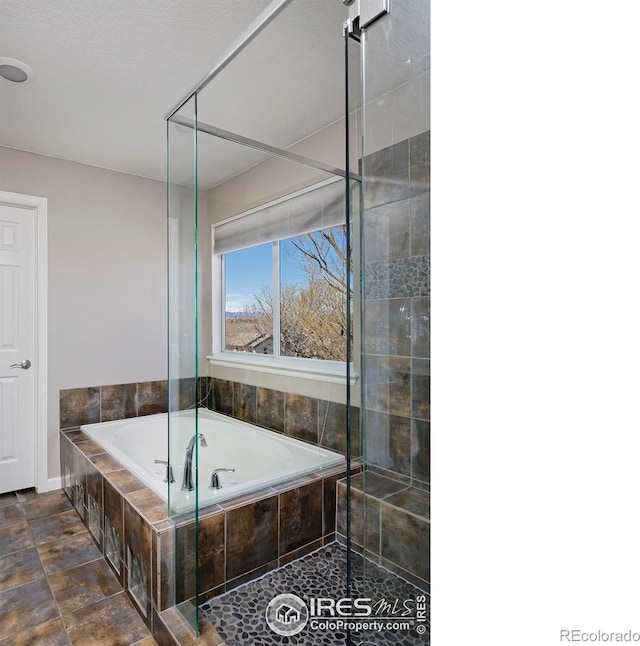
107 72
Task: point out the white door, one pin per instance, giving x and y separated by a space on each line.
17 347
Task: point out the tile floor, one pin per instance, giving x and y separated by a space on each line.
55 588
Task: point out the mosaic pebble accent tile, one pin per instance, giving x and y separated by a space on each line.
404 277
239 615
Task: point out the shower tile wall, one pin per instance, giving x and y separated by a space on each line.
396 278
390 519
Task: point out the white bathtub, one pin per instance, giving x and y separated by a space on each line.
261 458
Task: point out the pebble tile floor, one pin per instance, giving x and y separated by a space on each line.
55 588
239 615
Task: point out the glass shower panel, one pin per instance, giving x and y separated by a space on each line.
304 44
182 227
390 499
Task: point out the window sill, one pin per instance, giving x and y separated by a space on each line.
333 372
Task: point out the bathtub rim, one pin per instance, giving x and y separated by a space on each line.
337 460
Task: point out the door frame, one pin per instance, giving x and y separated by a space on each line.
39 206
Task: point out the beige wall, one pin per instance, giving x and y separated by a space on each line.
107 274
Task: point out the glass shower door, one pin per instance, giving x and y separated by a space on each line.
183 444
390 518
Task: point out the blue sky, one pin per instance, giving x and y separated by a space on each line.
247 269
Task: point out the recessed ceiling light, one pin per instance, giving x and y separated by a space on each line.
14 70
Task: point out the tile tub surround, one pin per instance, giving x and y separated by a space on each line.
95 404
390 525
316 421
54 587
239 540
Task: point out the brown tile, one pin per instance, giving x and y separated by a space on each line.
413 500
95 503
421 223
182 394
162 562
46 504
388 326
152 397
270 409
83 585
8 499
211 539
365 519
26 606
205 388
420 450
149 504
420 149
301 417
299 553
137 545
329 504
124 481
10 515
19 568
244 402
252 575
56 527
49 633
90 448
420 326
388 441
388 384
287 485
223 396
386 231
117 402
105 463
149 641
113 507
376 485
252 536
76 436
110 621
62 555
332 425
254 496
79 406
412 551
420 401
15 537
182 633
300 517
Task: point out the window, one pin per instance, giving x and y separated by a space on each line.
288 298
280 282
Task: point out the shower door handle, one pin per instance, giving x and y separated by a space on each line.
25 365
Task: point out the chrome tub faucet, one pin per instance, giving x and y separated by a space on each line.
187 479
215 479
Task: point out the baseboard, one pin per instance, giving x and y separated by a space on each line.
52 485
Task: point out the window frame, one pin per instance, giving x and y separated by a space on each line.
323 370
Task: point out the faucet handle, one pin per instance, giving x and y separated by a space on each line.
169 475
215 479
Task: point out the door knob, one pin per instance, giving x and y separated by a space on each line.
25 365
